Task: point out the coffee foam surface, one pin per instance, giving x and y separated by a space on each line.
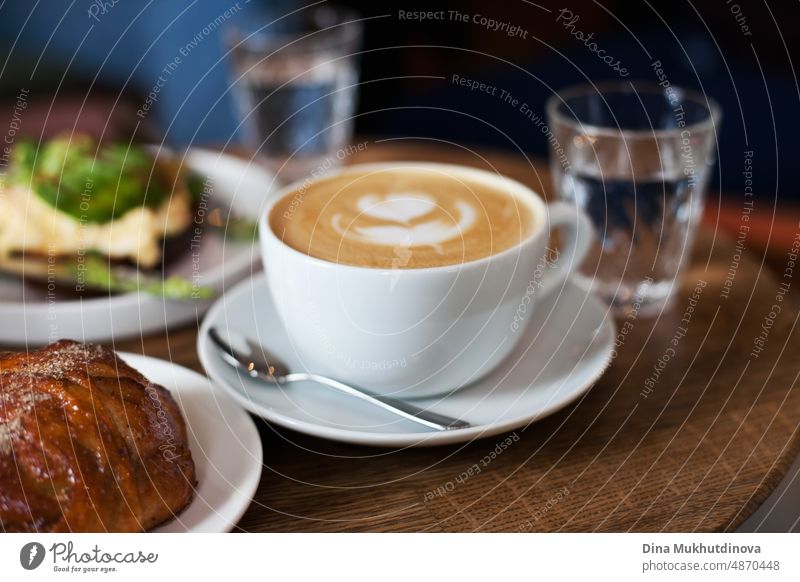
401 218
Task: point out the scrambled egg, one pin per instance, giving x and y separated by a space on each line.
30 225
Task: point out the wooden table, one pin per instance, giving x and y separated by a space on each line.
697 450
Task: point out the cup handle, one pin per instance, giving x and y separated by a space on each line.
579 235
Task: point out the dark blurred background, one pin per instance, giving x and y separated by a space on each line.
90 65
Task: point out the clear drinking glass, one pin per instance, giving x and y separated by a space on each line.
636 157
295 86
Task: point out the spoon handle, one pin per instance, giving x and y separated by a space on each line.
399 407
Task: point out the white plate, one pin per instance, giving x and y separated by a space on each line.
566 348
31 317
225 446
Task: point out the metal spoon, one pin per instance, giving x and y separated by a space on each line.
264 366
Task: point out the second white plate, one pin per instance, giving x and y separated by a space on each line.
32 316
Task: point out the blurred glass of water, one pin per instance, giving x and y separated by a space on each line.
295 86
637 158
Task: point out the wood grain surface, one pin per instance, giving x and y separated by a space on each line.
696 449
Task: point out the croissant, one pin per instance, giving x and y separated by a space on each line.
88 444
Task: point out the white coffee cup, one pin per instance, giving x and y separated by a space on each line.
419 332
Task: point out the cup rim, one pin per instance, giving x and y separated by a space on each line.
538 208
604 87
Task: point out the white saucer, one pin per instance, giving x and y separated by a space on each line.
566 348
32 317
225 446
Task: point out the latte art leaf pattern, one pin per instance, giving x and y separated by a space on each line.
400 219
410 221
401 207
